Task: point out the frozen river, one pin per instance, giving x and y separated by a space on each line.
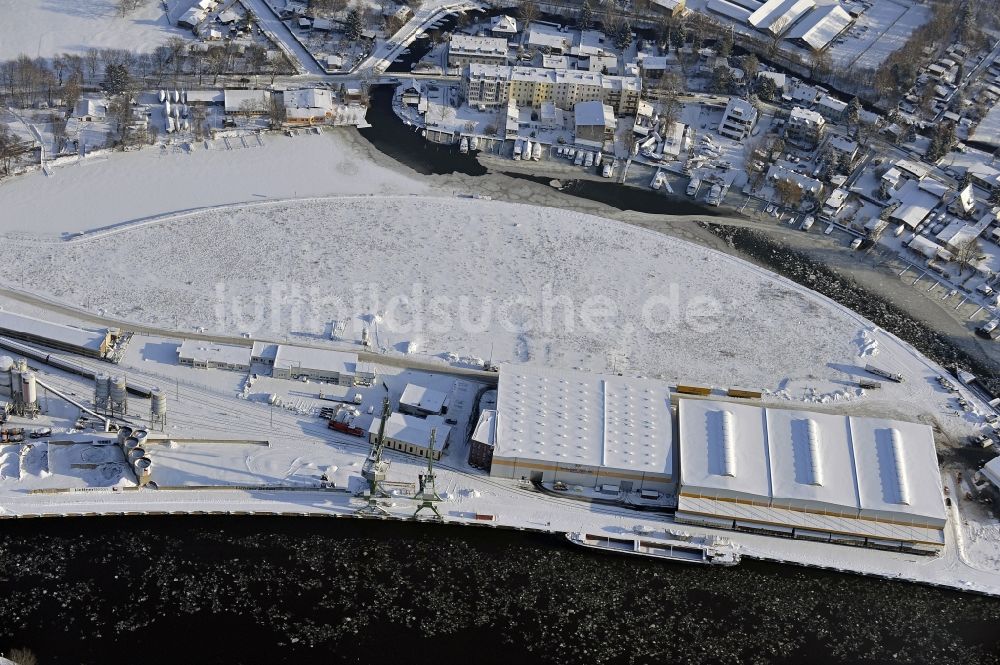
294 590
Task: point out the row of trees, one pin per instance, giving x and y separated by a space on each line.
25 81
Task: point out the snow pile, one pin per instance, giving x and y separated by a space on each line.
867 345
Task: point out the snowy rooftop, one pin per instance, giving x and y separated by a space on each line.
872 467
486 430
723 448
819 27
17 325
411 429
423 398
206 352
588 419
897 469
594 113
467 44
301 357
811 460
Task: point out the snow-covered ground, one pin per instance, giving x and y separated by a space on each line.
45 28
458 279
104 190
882 29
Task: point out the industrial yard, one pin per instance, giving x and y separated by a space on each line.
681 285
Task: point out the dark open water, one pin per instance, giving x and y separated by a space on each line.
311 590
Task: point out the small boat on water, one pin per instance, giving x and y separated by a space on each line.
463 146
699 550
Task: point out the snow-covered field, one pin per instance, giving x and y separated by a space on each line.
45 28
460 278
882 29
104 190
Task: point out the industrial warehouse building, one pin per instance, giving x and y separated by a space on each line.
422 401
205 355
297 362
412 435
93 343
816 476
583 429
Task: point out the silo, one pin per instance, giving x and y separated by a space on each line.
157 408
118 389
141 436
6 363
130 444
143 469
102 390
29 390
124 434
135 454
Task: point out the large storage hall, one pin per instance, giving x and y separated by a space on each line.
583 429
816 476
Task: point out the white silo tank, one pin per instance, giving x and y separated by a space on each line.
29 390
158 402
118 389
143 469
124 434
130 444
141 436
102 387
6 363
135 454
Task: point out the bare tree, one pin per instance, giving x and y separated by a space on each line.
276 111
528 11
967 254
11 148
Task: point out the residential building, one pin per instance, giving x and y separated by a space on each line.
308 107
594 124
830 108
503 26
492 85
738 119
671 7
805 127
466 49
843 148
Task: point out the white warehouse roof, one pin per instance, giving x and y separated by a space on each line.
810 456
206 352
729 10
17 325
897 470
710 432
821 26
867 469
413 430
779 14
305 358
423 398
587 419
